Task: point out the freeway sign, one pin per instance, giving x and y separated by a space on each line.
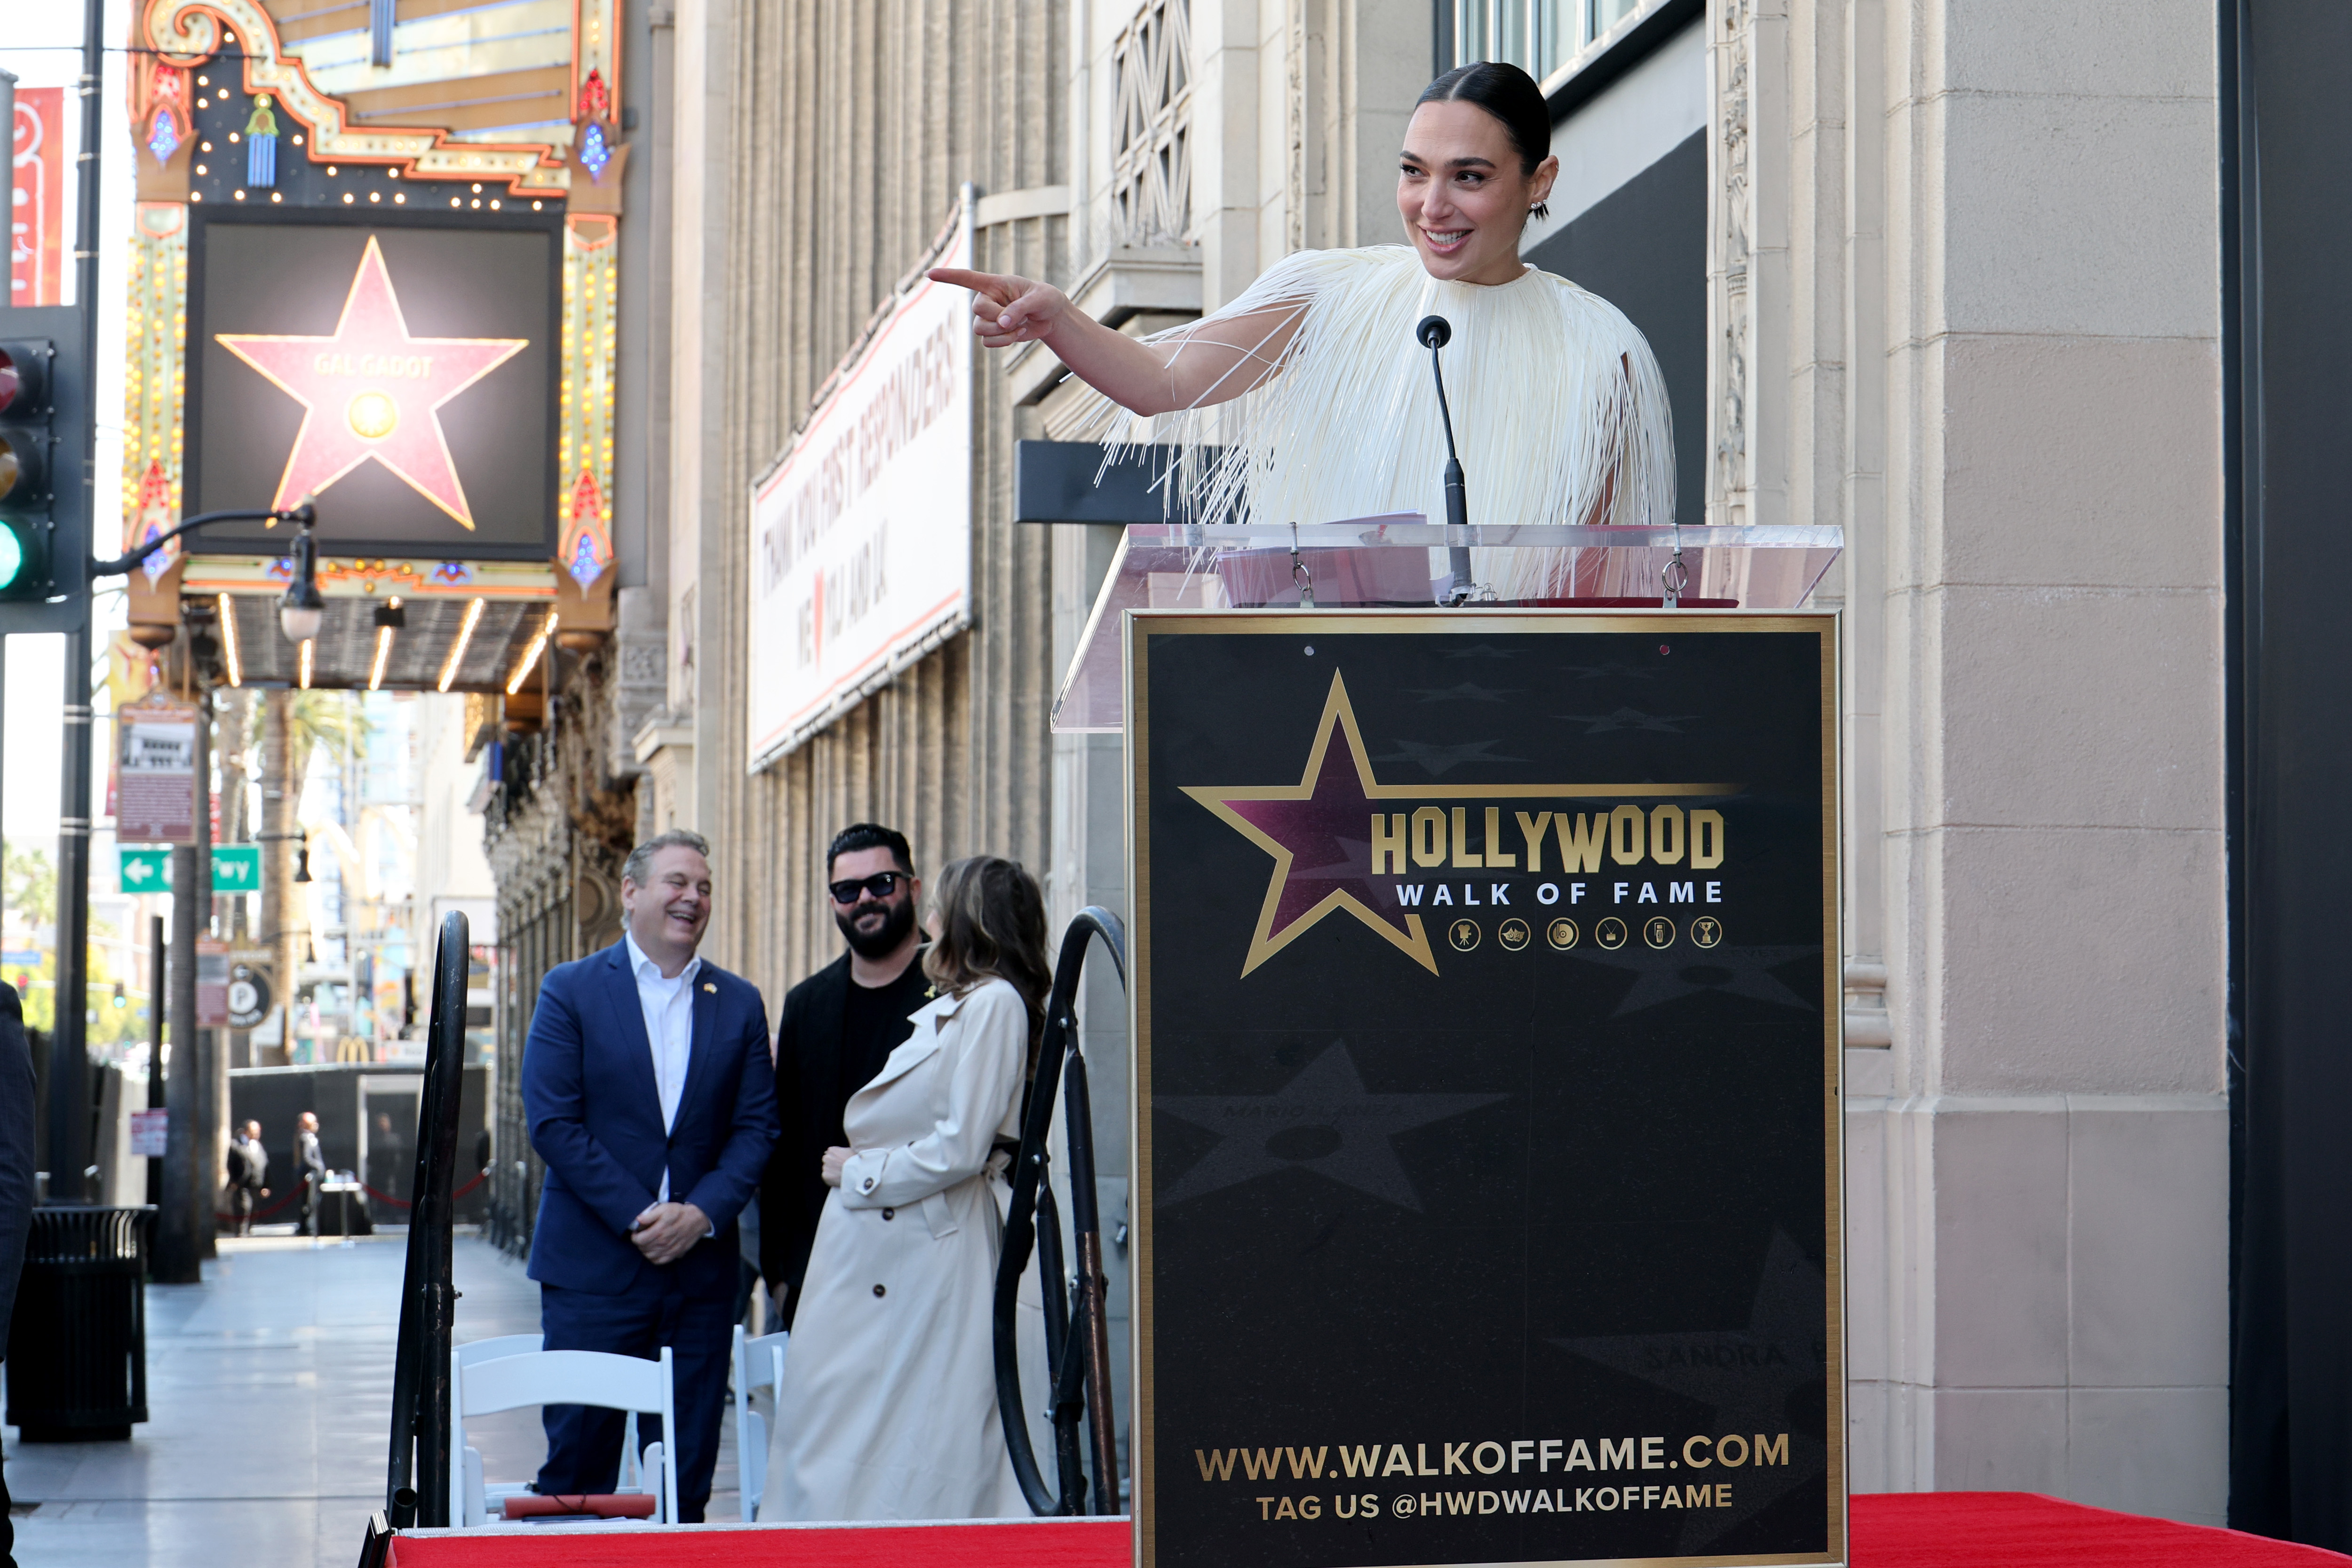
146 871
236 868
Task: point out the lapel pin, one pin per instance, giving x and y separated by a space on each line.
706 985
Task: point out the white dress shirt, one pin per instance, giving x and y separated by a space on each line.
668 1007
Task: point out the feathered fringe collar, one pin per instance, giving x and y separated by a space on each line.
1558 409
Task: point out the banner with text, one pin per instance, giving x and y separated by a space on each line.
861 534
1486 1055
36 229
155 768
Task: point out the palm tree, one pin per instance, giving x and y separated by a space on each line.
293 725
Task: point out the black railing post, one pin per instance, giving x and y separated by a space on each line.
418 1487
1077 1365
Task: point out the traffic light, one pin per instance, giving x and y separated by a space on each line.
45 529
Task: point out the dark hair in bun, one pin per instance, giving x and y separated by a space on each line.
1511 95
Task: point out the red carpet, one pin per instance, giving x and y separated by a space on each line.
1897 1530
2019 1529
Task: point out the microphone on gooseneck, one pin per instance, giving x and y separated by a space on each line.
1436 332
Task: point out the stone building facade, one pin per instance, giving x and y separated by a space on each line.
1944 276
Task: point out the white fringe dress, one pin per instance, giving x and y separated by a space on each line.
1558 410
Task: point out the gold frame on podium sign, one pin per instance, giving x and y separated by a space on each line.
1136 628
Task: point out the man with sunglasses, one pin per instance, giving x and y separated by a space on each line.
838 1028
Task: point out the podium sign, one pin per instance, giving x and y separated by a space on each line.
1486 1034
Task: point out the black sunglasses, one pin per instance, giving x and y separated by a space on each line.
882 884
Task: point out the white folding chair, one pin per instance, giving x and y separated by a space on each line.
465 1465
566 1377
759 1364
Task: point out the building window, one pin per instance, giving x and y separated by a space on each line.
1152 170
1547 38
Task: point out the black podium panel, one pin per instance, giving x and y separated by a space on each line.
1485 997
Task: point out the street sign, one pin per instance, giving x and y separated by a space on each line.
212 982
237 868
147 1134
157 798
146 871
248 992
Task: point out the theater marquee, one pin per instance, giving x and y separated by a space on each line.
1487 1066
403 368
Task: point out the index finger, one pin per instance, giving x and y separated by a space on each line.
997 286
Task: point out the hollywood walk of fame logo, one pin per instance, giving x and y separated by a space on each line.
1319 832
372 391
1323 1120
1747 1375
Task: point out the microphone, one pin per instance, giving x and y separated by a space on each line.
1434 332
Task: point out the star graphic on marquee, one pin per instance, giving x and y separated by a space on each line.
372 391
1323 1120
1746 1374
1318 831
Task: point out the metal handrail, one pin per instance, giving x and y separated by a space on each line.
1077 1326
420 1375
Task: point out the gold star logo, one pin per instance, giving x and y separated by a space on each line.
1319 832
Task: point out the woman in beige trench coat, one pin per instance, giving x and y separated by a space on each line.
887 1408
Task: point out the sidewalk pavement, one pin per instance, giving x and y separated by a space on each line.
269 1404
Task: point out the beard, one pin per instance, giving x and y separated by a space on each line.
899 919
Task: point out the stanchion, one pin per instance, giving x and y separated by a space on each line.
418 1487
1077 1328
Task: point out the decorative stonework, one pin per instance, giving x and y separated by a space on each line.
155 331
1730 304
1152 162
596 61
186 33
584 415
1294 128
416 577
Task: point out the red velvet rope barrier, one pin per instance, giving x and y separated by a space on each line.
295 1193
481 1177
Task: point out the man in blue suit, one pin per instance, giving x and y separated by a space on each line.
652 1098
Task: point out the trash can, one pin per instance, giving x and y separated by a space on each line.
78 1344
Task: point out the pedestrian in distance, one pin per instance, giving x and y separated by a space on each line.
314 1170
649 1094
838 1027
249 1168
888 1400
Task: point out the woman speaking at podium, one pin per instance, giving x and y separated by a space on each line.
1308 398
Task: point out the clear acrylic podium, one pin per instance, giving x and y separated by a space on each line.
1402 563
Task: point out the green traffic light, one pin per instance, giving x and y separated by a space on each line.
12 558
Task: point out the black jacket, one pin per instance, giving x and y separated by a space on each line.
814 1083
248 1164
15 1151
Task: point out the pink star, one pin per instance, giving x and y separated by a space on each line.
372 391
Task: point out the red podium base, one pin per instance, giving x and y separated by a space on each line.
1893 1529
